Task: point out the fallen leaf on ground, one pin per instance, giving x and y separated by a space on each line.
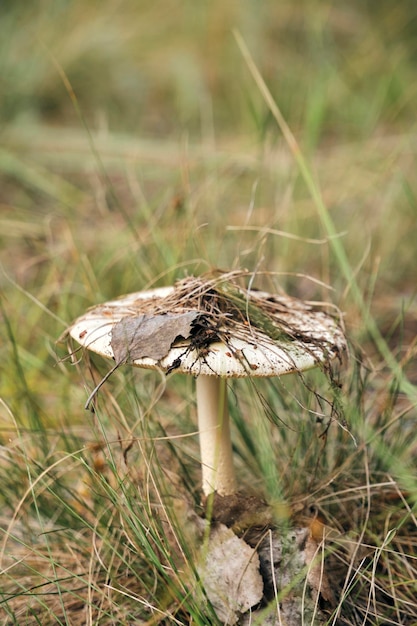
230 574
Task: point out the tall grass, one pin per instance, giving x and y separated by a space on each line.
186 169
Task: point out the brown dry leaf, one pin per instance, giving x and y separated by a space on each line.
230 573
149 336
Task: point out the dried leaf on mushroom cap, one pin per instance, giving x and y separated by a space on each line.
136 337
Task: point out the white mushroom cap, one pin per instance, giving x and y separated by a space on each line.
316 338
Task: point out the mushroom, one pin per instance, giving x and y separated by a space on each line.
213 329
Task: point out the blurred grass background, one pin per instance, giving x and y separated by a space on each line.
135 147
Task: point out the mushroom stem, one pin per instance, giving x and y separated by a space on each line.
215 442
